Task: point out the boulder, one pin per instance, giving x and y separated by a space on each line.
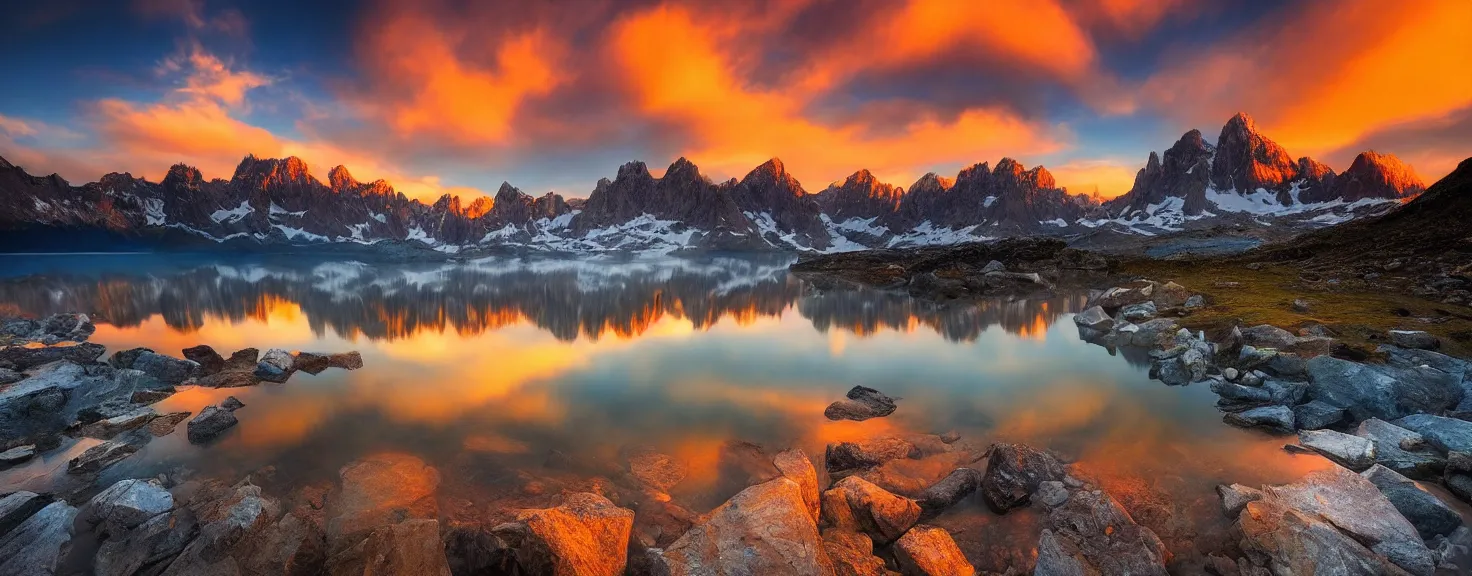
207 358
949 491
1094 318
310 362
102 455
17 454
210 423
929 551
1297 543
1121 296
1317 414
17 506
852 554
1239 394
24 358
1014 472
1446 434
1138 312
275 366
110 427
1352 452
875 511
764 529
36 546
123 359
377 491
231 403
795 465
1355 506
1194 302
1156 333
1425 511
165 369
1171 295
1268 336
1454 552
850 456
1236 496
1053 560
155 540
1274 418
861 404
8 376
411 547
1365 392
345 360
586 534
1417 339
1096 531
243 360
1401 450
124 505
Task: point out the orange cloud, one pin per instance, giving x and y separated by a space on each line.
429 88
1325 76
736 126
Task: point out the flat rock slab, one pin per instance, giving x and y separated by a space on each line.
1446 434
1355 506
1425 511
377 491
1352 452
1402 450
36 546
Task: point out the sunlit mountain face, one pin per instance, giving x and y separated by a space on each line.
484 368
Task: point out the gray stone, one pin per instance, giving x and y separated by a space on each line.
1365 392
1286 365
17 506
1051 493
1235 497
1125 295
1354 505
861 403
1268 336
24 358
1154 333
1053 560
1446 434
165 369
1138 312
993 266
1238 393
1425 511
124 358
211 422
1317 414
1014 472
1230 374
155 540
125 505
956 486
207 358
1276 418
1195 301
110 427
276 365
8 376
231 403
37 546
1096 530
1094 318
1352 452
1418 339
1395 449
1298 543
18 454
102 455
844 457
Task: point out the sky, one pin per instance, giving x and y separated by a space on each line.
456 96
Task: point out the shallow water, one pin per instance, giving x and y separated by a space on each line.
483 368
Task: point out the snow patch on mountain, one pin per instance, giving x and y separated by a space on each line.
233 215
153 212
927 234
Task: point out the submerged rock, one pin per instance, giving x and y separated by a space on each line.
380 490
930 551
102 455
1014 472
861 404
411 547
587 534
764 529
656 470
848 456
956 486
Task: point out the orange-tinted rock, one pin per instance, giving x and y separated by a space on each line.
930 551
1297 543
377 491
795 466
1376 175
874 511
765 529
586 535
410 548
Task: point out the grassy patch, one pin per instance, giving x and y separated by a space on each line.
1358 313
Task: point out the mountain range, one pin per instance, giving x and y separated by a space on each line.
1244 178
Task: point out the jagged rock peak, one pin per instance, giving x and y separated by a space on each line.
932 181
1010 167
507 191
1313 169
1040 177
182 174
1153 164
1246 160
1376 175
262 172
863 177
773 167
634 169
479 207
5 164
340 179
683 169
977 171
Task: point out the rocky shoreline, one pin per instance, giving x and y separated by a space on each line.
856 509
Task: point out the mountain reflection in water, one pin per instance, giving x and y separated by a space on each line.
485 368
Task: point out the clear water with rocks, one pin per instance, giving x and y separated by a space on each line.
517 378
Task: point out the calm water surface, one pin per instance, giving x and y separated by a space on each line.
483 368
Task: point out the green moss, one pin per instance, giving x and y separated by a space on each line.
1358 315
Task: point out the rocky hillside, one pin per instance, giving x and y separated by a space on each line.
1243 181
